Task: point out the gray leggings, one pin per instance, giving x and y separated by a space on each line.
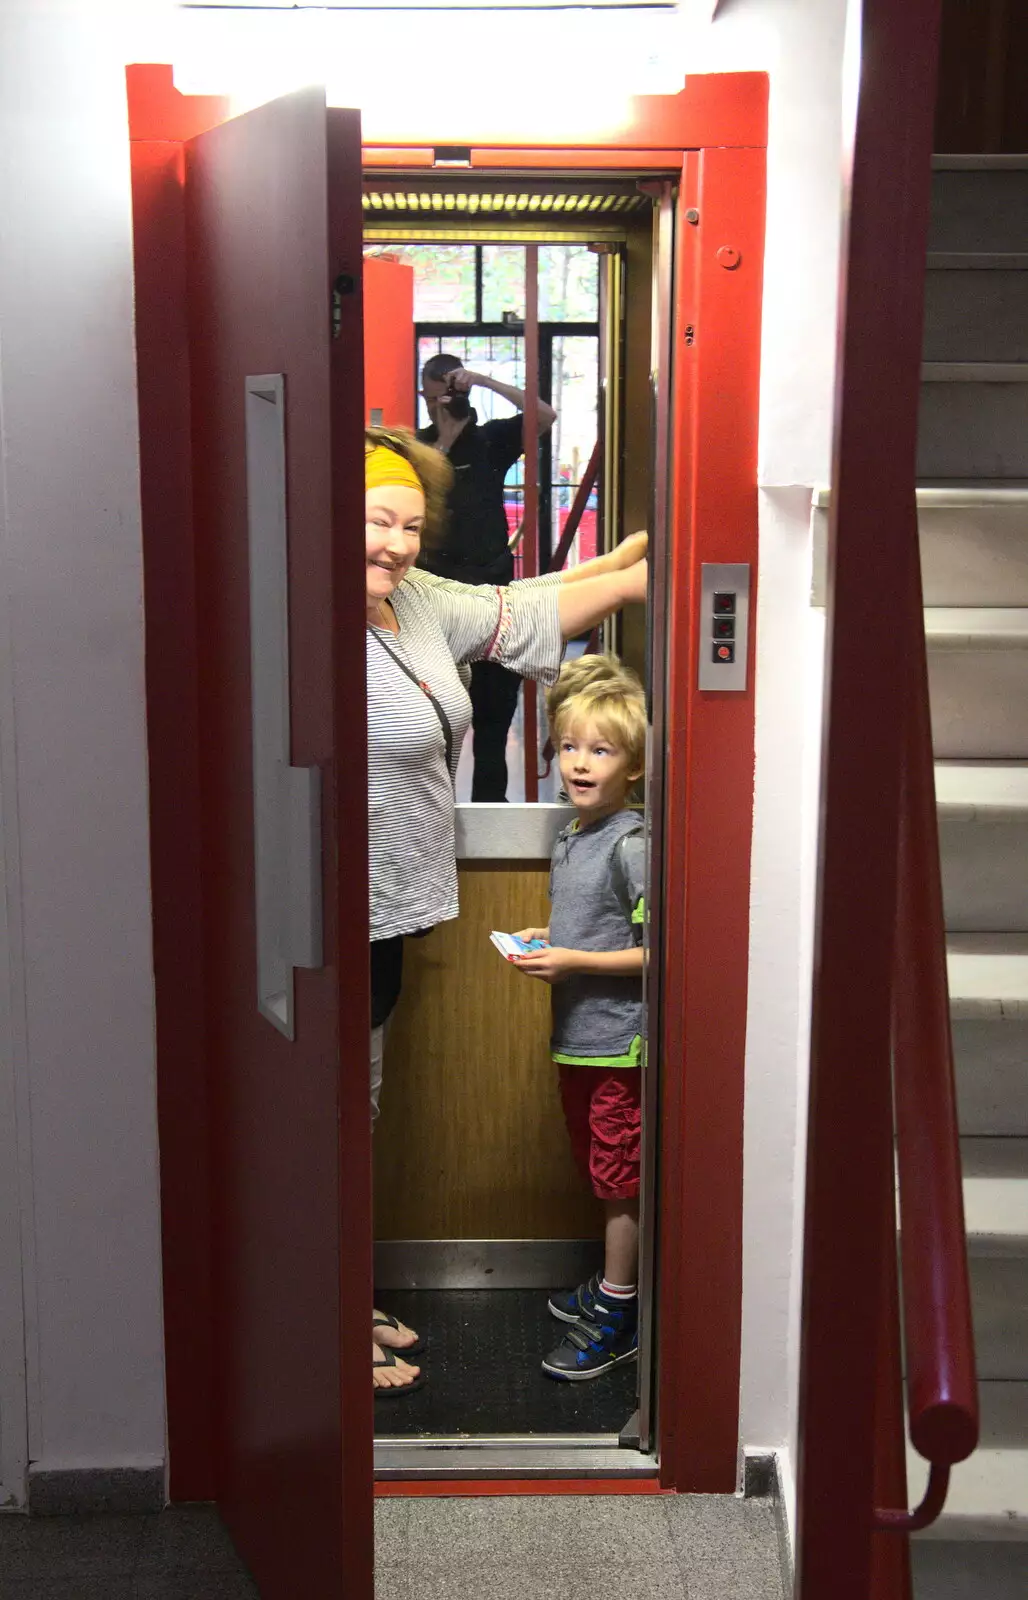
378 1038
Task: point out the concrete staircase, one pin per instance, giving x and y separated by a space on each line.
973 520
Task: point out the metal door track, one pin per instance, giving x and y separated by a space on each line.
511 1456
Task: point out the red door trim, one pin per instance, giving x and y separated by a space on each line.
172 709
710 769
709 794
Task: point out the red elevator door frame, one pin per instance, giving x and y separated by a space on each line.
714 133
283 300
707 737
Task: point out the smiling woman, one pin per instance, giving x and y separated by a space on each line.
421 630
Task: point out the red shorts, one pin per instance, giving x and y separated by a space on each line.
601 1108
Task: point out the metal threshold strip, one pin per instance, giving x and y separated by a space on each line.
510 1456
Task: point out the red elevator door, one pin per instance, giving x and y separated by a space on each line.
273 209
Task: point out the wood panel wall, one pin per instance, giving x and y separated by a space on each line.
471 1141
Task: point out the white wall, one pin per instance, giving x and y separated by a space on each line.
71 573
76 975
800 42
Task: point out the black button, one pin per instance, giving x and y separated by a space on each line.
723 654
724 627
724 603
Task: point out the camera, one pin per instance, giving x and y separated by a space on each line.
459 405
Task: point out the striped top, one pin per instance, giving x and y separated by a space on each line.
411 816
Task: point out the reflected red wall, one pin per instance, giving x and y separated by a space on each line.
389 342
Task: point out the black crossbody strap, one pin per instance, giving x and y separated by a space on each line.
444 721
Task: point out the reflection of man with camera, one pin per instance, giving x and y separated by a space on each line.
475 547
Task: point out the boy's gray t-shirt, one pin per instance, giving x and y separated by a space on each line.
597 881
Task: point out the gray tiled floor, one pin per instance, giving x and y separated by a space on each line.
531 1547
492 1548
184 1554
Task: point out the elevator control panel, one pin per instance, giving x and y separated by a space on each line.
724 624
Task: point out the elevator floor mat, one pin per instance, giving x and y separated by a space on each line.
483 1373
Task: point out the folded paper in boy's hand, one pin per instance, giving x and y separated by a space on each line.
509 945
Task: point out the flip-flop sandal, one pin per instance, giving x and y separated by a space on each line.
384 1321
389 1391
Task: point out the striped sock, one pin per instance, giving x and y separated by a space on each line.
618 1291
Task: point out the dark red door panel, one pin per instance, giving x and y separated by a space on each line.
274 245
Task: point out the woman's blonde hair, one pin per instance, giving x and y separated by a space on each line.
434 473
600 689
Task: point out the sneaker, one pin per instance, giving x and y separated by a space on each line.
570 1305
606 1337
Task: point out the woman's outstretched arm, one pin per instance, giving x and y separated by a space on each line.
625 554
580 606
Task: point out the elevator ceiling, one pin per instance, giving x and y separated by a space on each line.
500 197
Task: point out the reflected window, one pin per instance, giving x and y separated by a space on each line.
569 283
444 279
575 390
503 282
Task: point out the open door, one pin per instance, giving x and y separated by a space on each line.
273 234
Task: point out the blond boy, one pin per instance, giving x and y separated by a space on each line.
594 963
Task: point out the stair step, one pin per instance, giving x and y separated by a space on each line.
988 976
973 421
962 371
951 494
976 261
996 1197
978 676
992 1077
979 1569
981 205
973 541
983 845
988 983
982 791
976 627
979 161
999 1302
977 315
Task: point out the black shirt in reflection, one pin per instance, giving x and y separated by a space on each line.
473 547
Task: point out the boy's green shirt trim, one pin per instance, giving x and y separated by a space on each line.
633 1058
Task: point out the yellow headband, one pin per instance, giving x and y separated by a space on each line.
382 466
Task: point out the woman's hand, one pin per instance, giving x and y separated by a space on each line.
630 550
580 606
623 555
635 579
528 934
552 965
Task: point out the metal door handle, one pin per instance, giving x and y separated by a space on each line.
286 799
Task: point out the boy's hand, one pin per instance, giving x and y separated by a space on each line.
528 934
552 965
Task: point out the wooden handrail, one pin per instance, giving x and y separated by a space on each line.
939 1337
850 1139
